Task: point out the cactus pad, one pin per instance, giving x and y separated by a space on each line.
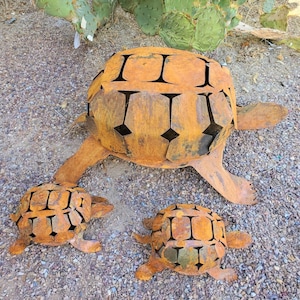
188 6
87 23
103 10
57 9
85 19
210 29
148 15
128 5
177 30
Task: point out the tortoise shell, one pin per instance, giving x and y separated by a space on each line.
51 214
158 104
189 238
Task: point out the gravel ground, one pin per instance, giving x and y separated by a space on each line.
43 89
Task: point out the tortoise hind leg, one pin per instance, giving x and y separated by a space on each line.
19 245
260 115
233 188
83 245
222 274
89 153
143 239
154 265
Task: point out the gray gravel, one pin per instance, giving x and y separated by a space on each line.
43 89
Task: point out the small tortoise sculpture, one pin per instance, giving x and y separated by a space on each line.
54 214
190 240
167 108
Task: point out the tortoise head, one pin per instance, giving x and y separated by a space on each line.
100 207
238 239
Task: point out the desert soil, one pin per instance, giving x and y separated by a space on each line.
43 87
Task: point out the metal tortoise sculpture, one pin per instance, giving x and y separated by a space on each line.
190 240
54 214
167 108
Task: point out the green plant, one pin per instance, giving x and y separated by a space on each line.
85 18
199 24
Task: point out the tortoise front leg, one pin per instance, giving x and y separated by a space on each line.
235 189
83 245
89 153
154 265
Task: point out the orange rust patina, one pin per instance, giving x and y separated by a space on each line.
54 214
167 108
190 240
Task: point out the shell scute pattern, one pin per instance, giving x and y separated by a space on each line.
186 101
56 213
189 237
51 216
190 240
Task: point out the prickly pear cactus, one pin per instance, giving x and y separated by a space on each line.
85 18
182 24
199 24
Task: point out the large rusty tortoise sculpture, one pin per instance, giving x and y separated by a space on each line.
167 108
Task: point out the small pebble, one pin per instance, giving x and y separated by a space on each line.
228 59
64 104
280 57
